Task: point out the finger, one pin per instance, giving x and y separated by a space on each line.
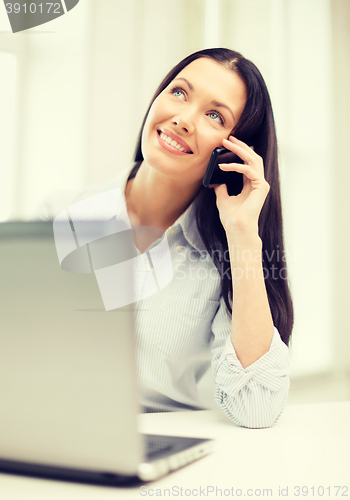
243 168
246 181
243 144
245 153
221 191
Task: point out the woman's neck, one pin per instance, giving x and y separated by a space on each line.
154 199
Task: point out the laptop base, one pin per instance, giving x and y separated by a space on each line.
166 454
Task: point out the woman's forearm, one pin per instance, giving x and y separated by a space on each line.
252 324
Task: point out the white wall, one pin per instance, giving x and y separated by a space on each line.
8 106
51 127
307 180
340 200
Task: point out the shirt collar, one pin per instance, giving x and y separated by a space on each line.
188 224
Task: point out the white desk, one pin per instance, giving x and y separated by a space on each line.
309 446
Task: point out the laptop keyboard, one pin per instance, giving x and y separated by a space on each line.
168 453
153 448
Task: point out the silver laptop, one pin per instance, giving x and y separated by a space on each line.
68 388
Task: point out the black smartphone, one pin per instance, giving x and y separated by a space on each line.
214 174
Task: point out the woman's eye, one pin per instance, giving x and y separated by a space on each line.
178 92
216 116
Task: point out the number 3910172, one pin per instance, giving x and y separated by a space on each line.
33 8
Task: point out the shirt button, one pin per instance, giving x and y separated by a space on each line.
179 248
146 265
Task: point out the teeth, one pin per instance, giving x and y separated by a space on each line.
171 141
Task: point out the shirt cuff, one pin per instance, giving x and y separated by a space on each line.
269 371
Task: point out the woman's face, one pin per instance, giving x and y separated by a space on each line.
191 117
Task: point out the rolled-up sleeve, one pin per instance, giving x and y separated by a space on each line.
255 396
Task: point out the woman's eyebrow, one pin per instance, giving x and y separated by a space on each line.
215 103
188 83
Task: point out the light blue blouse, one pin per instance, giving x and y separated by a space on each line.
185 326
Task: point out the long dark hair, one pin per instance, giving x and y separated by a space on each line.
255 127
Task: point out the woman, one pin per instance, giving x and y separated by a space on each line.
229 293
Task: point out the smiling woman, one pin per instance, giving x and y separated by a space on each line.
213 98
229 297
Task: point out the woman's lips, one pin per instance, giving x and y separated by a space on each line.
172 142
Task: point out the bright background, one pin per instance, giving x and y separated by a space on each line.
73 93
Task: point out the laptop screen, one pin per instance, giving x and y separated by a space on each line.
67 366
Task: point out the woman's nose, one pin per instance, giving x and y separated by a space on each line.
184 121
